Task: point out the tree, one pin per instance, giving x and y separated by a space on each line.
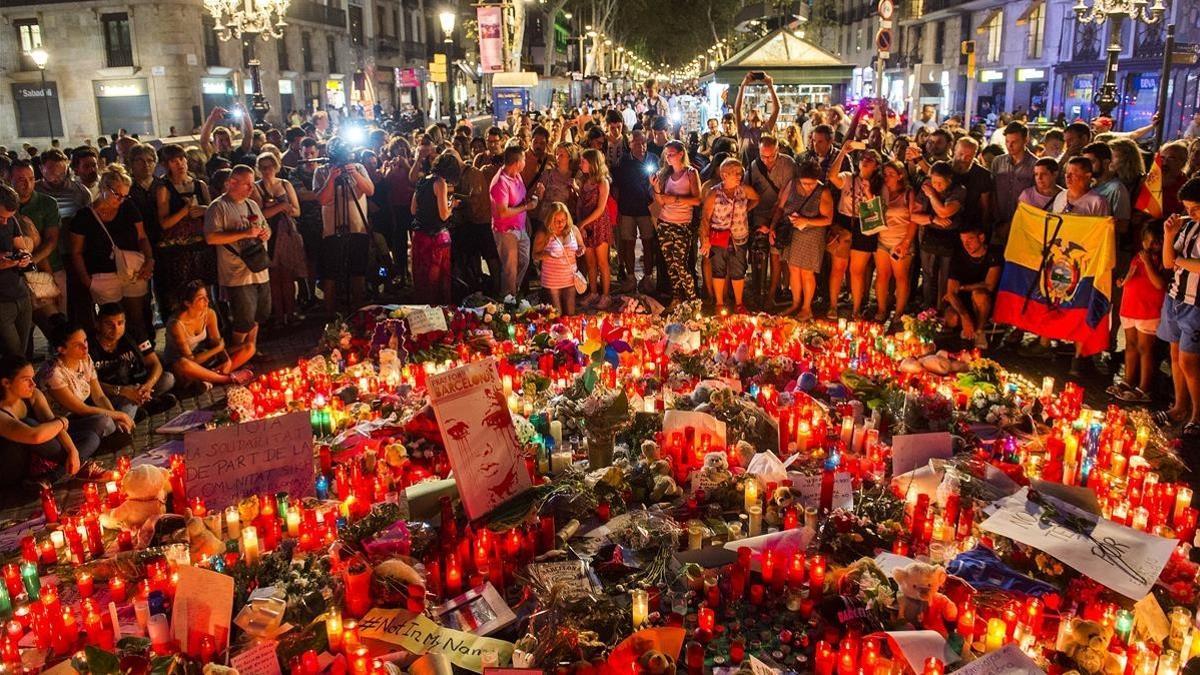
550 11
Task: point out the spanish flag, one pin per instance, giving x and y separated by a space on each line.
1057 279
1150 196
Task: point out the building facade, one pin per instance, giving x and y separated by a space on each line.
1030 55
150 66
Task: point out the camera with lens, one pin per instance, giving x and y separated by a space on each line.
340 154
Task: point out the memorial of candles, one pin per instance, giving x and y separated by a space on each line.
786 555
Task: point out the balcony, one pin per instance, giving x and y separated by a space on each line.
315 12
387 46
414 51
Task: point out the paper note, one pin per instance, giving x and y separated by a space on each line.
783 543
918 645
419 635
203 606
1149 620
422 319
759 668
186 421
258 659
1008 660
808 489
253 458
910 451
1121 558
480 439
703 423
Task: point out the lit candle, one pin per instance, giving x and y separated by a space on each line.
641 606
934 666
1183 500
31 580
116 588
751 492
250 544
85 584
996 631
695 535
233 522
847 430
333 628
803 435
293 523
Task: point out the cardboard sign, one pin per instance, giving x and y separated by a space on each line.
420 635
703 423
910 451
262 457
808 489
258 659
757 667
1008 660
479 436
1121 558
203 606
423 319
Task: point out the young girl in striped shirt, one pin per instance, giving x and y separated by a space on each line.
557 248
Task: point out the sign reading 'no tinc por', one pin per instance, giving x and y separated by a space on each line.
267 456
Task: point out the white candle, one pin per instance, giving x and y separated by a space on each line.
141 610
556 432
648 403
641 606
751 484
755 513
233 522
508 385
250 544
293 523
58 539
1047 386
560 461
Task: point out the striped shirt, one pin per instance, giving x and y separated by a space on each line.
1185 285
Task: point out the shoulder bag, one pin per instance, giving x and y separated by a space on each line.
129 263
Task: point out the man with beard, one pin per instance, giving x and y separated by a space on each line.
631 189
85 164
976 180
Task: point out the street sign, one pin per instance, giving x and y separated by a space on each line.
883 40
886 9
437 69
1185 53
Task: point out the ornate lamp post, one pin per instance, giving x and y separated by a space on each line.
447 18
40 59
249 20
1117 10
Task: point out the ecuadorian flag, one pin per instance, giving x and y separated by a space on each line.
1057 279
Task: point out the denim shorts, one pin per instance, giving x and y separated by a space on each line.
1180 322
249 305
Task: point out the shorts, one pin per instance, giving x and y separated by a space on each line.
1180 322
635 227
1147 326
109 287
863 243
249 305
888 249
728 262
345 255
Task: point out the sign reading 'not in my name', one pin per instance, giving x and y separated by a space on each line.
261 457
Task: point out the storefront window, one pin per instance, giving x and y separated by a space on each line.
124 104
30 103
216 92
1141 97
335 93
1078 91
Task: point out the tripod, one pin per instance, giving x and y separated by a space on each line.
343 196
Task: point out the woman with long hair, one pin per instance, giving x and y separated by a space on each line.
69 378
432 204
893 257
594 223
110 252
1128 164
558 180
399 191
853 249
808 207
289 263
35 443
557 248
725 232
676 194
181 199
195 352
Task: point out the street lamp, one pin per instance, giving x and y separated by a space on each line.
250 19
40 59
447 18
1117 10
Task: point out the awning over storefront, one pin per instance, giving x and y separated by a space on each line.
787 58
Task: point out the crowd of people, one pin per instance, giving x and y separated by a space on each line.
862 215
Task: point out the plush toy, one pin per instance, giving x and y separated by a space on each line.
920 602
663 485
716 468
655 662
395 455
145 487
782 498
1087 645
393 581
202 542
650 450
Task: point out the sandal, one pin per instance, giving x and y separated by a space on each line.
90 471
1162 419
1118 388
1133 395
1191 430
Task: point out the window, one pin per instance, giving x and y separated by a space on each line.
415 18
306 51
356 24
1037 32
995 30
939 42
385 26
331 50
118 49
212 46
281 53
918 8
29 38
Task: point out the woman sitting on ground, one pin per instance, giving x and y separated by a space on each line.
34 443
195 352
69 379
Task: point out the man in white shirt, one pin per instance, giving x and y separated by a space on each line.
1079 198
928 120
234 225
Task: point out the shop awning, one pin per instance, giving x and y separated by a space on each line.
788 58
1033 7
987 20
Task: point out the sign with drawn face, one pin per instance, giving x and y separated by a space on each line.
478 432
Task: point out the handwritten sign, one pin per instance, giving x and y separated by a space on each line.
916 646
479 436
757 667
569 577
420 635
203 606
1121 558
261 457
703 423
808 489
423 319
910 451
1008 660
258 659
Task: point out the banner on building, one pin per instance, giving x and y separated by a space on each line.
1057 279
491 40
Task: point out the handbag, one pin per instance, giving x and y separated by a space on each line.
253 254
129 263
41 284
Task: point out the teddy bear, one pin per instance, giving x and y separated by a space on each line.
919 601
650 450
663 485
781 499
716 468
145 487
1087 645
202 542
655 662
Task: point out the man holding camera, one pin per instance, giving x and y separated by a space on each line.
342 188
750 128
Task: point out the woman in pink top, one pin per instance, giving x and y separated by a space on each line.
557 248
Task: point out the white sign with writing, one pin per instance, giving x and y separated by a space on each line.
808 489
252 458
1121 558
910 451
425 319
258 659
1008 660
